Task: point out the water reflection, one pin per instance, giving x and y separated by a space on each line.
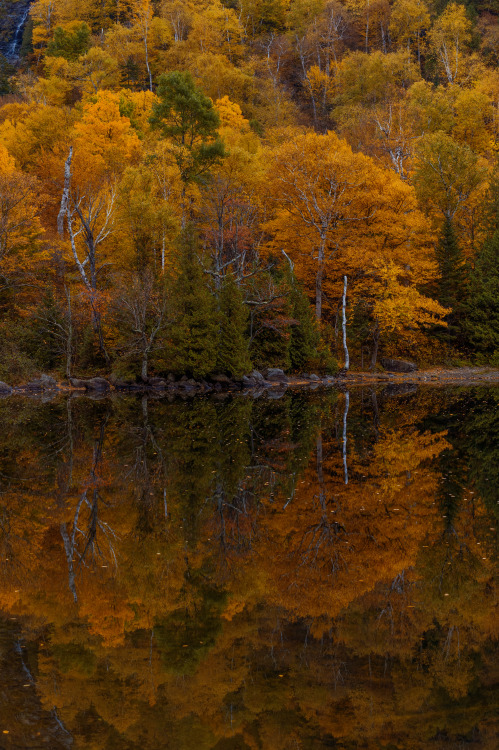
305 572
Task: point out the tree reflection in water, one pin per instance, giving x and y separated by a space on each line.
304 572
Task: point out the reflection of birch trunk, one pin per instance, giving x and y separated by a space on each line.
345 418
69 547
86 523
28 675
344 315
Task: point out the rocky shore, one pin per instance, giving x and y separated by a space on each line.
273 381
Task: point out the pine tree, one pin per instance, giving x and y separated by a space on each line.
452 286
270 322
482 308
491 203
305 335
233 355
189 122
194 332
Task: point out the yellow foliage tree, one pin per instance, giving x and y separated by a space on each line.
449 38
331 202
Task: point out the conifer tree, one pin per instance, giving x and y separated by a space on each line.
491 203
194 332
305 334
188 120
451 287
270 321
482 308
70 44
233 355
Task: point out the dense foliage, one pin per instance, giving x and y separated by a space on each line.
338 137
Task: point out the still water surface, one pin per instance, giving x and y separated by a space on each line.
314 571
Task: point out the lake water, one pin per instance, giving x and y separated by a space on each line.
311 571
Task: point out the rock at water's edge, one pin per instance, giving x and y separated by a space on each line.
399 365
275 374
93 384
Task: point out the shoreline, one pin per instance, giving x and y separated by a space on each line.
47 386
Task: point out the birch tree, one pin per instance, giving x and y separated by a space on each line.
90 221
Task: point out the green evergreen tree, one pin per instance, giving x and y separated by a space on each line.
27 42
482 308
233 356
189 121
270 321
305 335
6 71
194 331
70 44
452 286
491 203
46 346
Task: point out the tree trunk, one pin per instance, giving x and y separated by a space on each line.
318 282
97 325
344 314
65 194
69 337
143 372
146 49
345 423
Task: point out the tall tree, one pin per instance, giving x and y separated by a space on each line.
331 202
482 307
141 313
305 335
451 288
447 174
233 356
189 121
449 37
194 330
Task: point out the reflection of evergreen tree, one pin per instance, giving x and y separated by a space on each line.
471 418
191 444
453 469
233 444
186 636
482 444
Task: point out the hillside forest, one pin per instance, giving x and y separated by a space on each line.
203 186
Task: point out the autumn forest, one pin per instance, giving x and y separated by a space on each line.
190 187
212 535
